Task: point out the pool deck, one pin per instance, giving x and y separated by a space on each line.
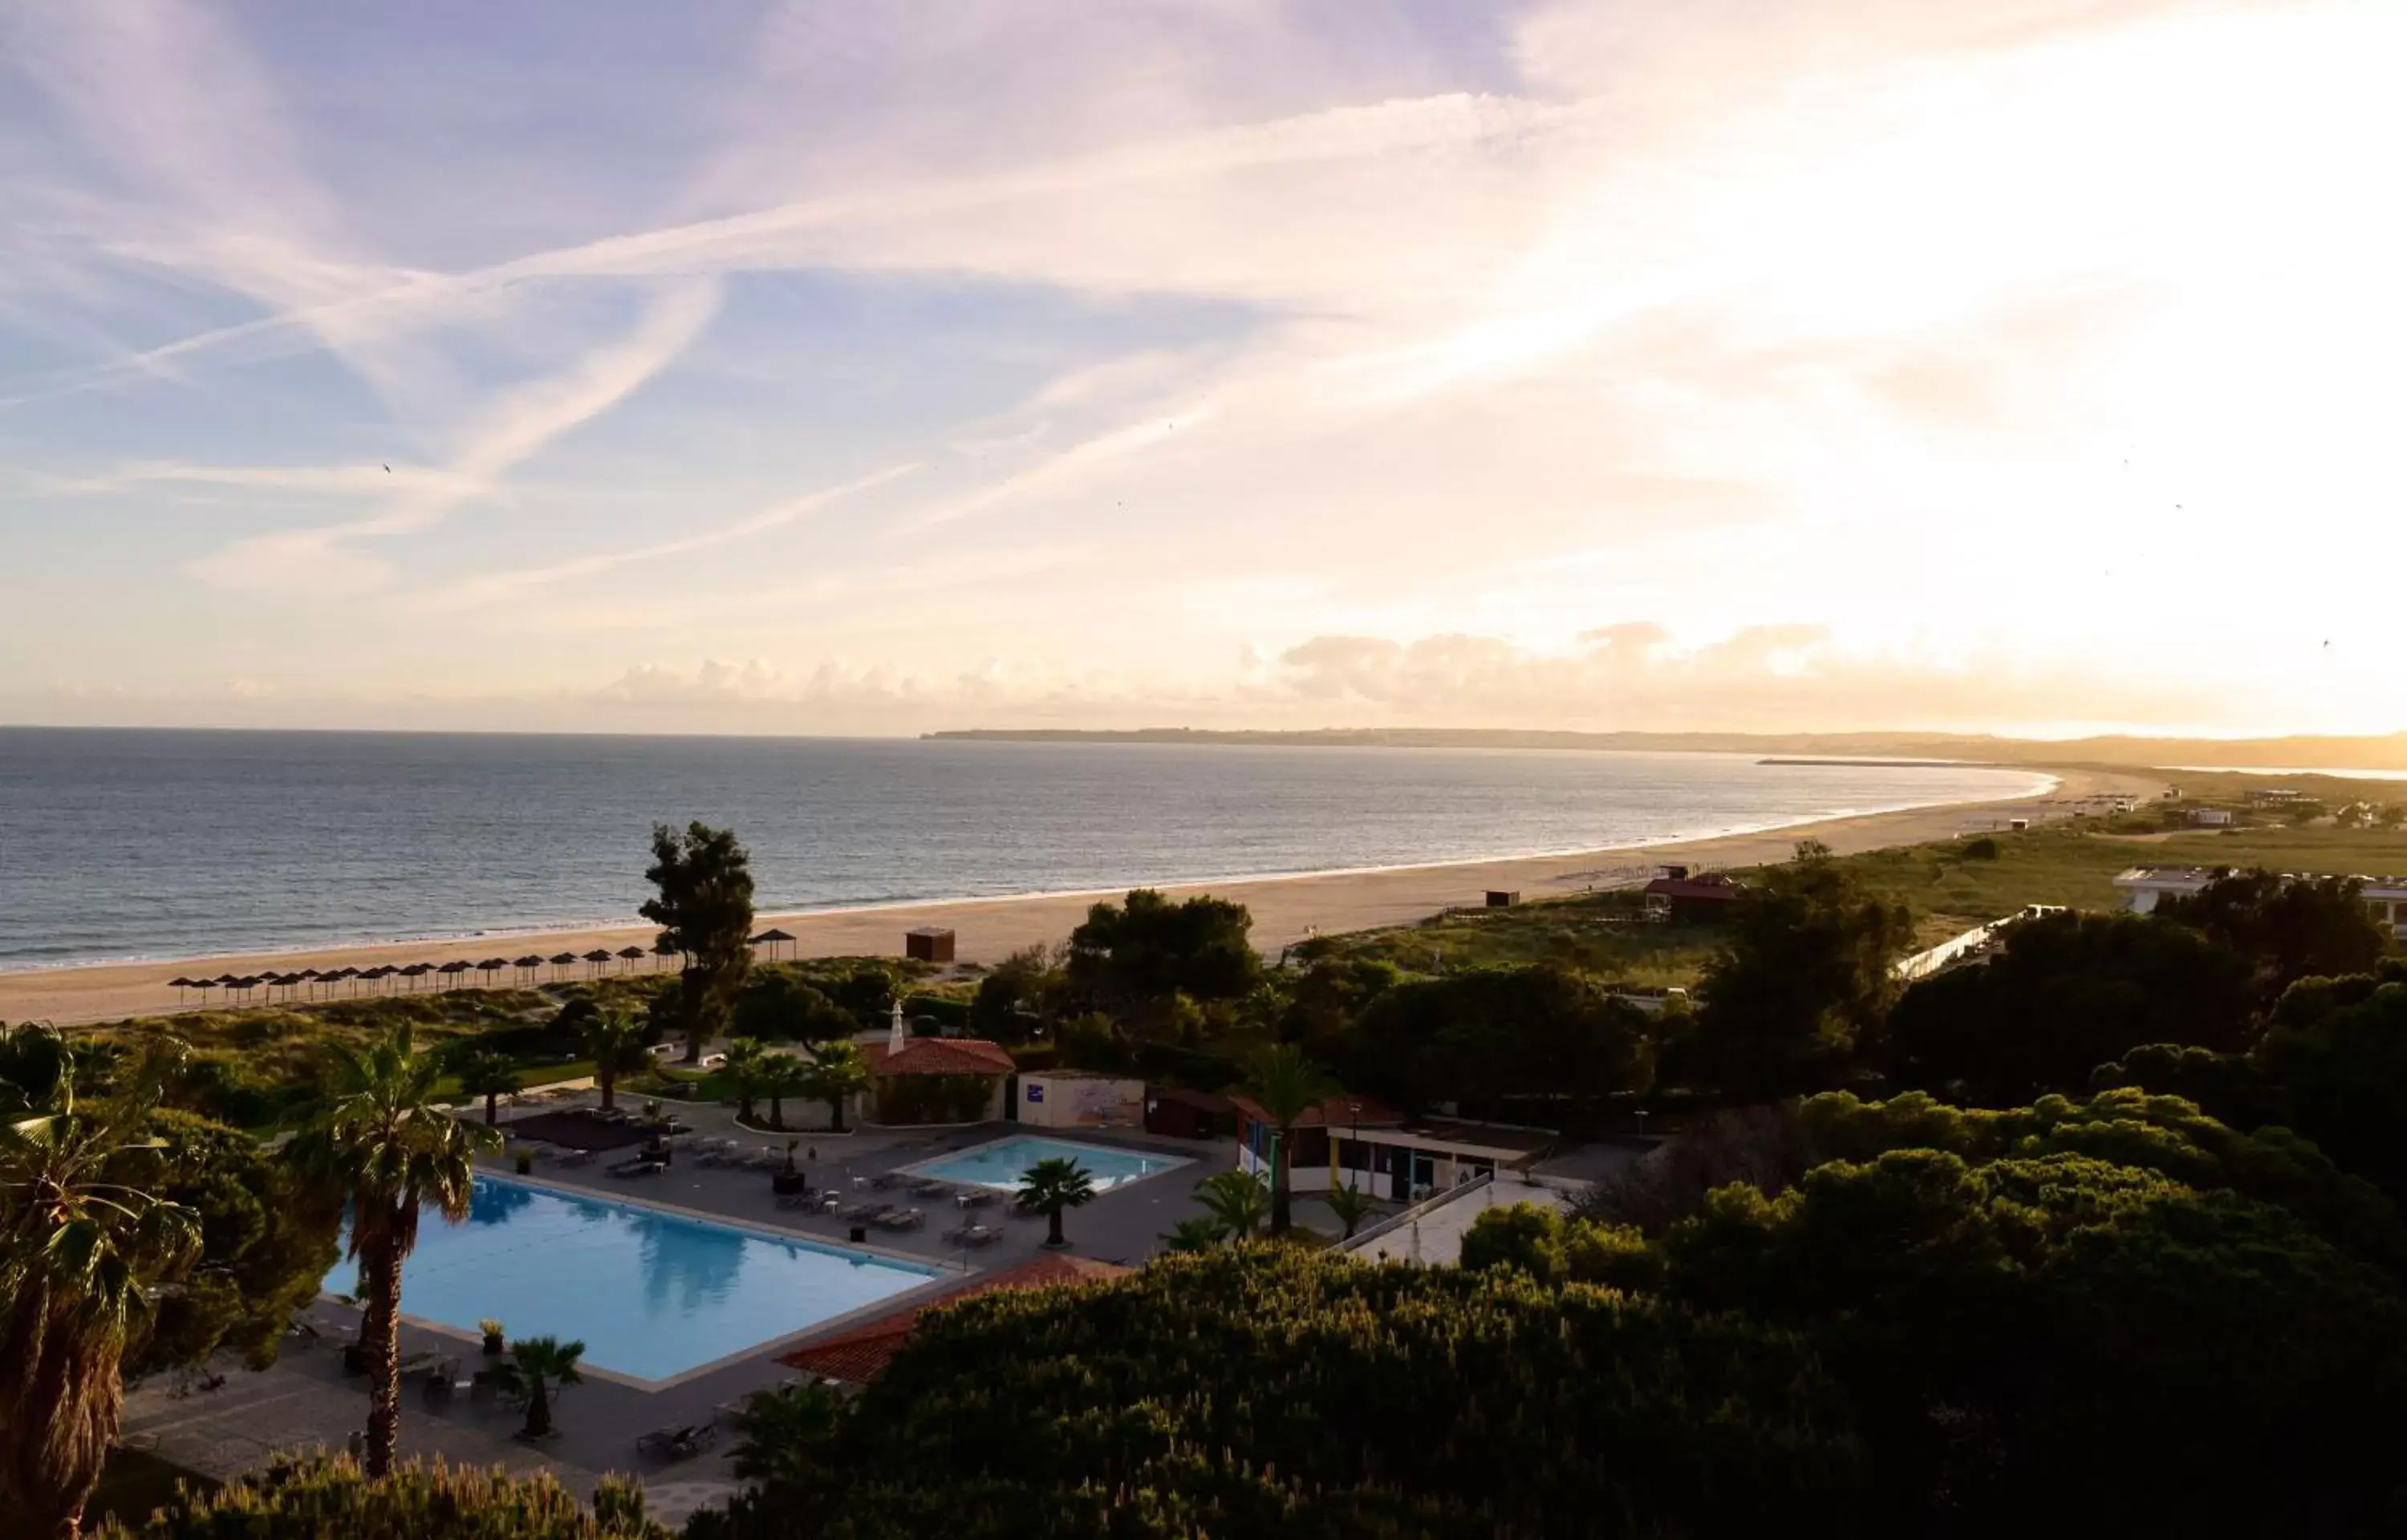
306 1401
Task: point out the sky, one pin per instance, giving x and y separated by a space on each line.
812 367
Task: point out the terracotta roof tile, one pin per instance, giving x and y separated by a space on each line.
856 1354
944 1056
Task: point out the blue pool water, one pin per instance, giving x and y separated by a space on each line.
650 1293
999 1165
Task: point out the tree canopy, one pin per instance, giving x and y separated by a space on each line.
1486 1034
1802 982
2288 928
703 904
1143 953
2066 994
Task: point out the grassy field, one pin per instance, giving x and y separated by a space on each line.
2070 864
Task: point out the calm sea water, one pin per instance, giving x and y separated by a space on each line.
159 844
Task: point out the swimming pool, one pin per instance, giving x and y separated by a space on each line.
999 1165
652 1295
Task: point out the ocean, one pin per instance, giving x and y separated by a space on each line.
119 844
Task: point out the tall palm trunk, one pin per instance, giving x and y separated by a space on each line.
1055 1238
380 1341
777 1113
1281 1214
71 1389
608 1080
835 1112
538 1422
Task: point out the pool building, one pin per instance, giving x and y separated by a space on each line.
1356 1142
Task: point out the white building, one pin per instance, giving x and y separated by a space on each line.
2144 887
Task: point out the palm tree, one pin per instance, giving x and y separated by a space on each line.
1351 1205
536 1367
82 1253
379 1134
838 1074
782 1436
1193 1234
783 1075
1050 1186
485 1073
742 1073
1235 1202
1287 1085
614 1043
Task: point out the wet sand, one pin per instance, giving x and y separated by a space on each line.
1286 909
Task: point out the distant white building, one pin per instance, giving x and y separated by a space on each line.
2210 817
2144 887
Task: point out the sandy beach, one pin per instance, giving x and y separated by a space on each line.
1286 909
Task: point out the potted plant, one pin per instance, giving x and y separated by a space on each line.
526 1162
789 1180
494 1339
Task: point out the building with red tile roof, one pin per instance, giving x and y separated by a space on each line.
928 1080
857 1355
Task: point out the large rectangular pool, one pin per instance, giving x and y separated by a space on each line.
650 1294
998 1165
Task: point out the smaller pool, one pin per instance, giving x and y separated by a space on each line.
999 1165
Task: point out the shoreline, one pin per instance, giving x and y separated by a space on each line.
630 924
1287 907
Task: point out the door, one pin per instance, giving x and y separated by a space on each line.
1424 1174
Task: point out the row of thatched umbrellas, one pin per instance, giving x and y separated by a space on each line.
389 978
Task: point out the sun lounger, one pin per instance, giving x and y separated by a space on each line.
860 1212
639 1167
798 1200
972 1234
977 1197
577 1157
882 1180
678 1443
900 1219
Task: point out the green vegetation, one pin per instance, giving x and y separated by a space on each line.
1052 1188
537 1368
86 1243
379 1138
1287 1085
1271 1391
704 907
316 1499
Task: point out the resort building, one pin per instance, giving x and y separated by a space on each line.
1353 1141
856 1355
1079 1098
1184 1114
1704 898
938 1081
2144 887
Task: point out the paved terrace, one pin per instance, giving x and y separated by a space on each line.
306 1401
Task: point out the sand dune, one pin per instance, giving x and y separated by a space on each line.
1286 909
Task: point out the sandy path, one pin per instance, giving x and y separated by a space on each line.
1286 909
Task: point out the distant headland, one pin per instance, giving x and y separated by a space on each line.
2370 753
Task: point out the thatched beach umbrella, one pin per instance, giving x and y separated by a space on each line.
526 966
489 967
596 960
630 954
561 960
772 940
452 970
179 984
660 950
